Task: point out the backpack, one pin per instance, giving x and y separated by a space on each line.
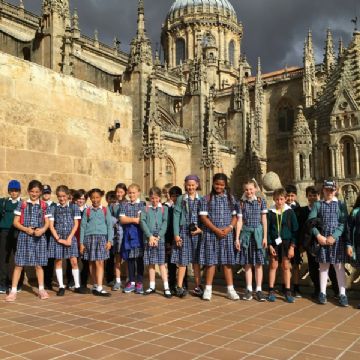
23 206
88 211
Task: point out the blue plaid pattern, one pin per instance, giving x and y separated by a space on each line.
251 255
154 255
330 254
251 212
188 253
95 248
214 251
31 251
63 218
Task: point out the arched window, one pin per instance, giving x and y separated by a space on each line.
232 53
180 51
27 53
348 156
301 165
286 116
310 166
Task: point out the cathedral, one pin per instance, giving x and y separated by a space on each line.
197 105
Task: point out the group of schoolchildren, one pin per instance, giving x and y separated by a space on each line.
206 232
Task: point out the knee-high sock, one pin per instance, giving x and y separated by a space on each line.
324 269
341 277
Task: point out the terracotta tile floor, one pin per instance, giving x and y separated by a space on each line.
138 327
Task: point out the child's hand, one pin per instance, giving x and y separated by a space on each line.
349 251
220 233
330 240
82 249
272 251
196 232
68 241
137 221
108 246
264 243
291 252
29 231
178 241
152 241
39 232
321 240
237 244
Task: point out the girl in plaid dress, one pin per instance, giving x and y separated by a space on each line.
218 214
332 244
96 238
153 223
64 222
251 238
187 235
32 219
132 248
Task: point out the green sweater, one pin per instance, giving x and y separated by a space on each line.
96 224
148 222
7 208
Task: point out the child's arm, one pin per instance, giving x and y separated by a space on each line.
144 224
17 225
82 231
176 219
343 215
163 227
239 225
41 231
313 215
265 229
110 229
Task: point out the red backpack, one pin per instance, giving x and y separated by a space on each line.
88 210
43 206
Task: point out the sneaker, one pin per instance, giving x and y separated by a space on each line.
11 297
260 296
198 291
19 289
233 295
207 295
272 296
150 291
116 286
248 295
101 293
129 288
61 292
180 292
167 293
343 301
289 298
2 290
297 293
43 295
322 299
81 290
139 288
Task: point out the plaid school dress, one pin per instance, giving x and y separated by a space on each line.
132 210
63 218
214 251
188 252
251 215
118 230
31 250
155 255
334 254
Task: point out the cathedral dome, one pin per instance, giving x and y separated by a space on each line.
208 6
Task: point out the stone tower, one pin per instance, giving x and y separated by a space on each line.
309 79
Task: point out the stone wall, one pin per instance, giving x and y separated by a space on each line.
55 128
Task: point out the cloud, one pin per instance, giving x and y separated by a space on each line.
273 29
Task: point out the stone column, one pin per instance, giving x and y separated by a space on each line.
189 54
307 174
341 161
357 159
333 162
296 167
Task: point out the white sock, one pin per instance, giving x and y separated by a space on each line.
258 288
14 289
230 288
76 276
133 283
152 284
59 276
118 280
41 288
208 287
324 270
166 285
249 288
341 278
99 288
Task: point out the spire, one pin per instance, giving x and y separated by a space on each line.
96 38
258 74
309 78
341 48
76 29
329 57
141 18
21 4
259 111
21 10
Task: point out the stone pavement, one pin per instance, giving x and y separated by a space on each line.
137 327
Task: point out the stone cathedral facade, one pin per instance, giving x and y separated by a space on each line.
198 106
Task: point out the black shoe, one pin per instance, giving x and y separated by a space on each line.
103 293
48 287
180 292
61 292
149 291
71 285
167 293
81 290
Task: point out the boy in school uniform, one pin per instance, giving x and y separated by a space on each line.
291 200
8 234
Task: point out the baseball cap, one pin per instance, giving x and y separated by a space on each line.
46 189
14 185
329 184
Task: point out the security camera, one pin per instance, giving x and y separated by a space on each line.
117 124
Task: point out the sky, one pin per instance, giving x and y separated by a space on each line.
273 29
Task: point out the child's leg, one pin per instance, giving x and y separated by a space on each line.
272 271
258 276
40 276
286 269
324 269
99 266
164 276
59 272
341 277
248 277
92 270
228 274
210 272
131 270
181 274
15 278
75 271
140 269
197 274
152 276
117 268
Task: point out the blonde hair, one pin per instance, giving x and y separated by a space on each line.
134 186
